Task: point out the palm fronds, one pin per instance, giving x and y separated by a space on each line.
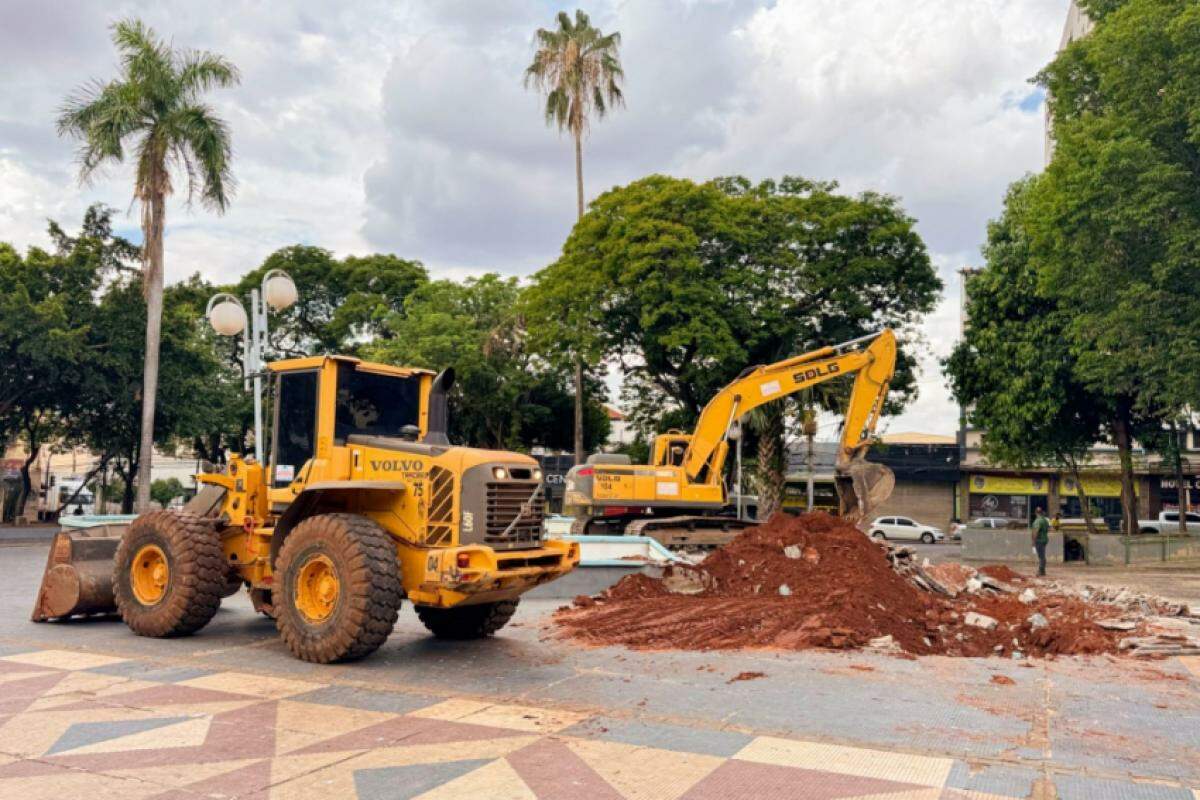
579 70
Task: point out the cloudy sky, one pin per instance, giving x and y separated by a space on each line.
403 126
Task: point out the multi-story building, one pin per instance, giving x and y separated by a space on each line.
1077 26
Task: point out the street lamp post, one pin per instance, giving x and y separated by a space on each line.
228 317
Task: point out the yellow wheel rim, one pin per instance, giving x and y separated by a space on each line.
317 588
149 575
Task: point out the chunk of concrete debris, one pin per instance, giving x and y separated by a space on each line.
792 551
1117 624
980 621
1037 621
1027 596
883 642
785 590
974 585
991 583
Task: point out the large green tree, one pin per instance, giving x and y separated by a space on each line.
1115 220
686 284
197 388
46 303
155 109
342 302
504 396
1014 369
578 69
72 336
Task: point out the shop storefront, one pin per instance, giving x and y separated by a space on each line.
1169 492
1103 494
1012 497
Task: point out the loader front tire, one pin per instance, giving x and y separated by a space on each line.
337 588
170 574
467 622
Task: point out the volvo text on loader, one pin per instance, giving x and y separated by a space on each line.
364 502
679 497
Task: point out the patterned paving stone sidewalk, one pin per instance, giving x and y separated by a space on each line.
95 726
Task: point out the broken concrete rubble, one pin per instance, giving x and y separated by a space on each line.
756 593
980 621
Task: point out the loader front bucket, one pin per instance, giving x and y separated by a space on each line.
861 486
78 580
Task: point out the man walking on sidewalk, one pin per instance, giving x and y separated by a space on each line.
1041 538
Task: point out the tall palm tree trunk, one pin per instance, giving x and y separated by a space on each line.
772 461
578 358
152 228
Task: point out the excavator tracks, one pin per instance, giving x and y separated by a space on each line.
692 532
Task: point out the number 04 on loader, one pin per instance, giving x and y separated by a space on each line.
364 502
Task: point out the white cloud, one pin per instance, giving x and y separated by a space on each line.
404 126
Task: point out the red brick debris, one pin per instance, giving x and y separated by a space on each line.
817 582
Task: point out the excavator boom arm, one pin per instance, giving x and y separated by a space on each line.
872 366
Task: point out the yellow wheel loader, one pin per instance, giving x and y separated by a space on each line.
679 498
364 502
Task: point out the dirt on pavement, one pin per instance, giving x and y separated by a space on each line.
817 582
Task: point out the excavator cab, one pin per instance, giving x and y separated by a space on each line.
670 448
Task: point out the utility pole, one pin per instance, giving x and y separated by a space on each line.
736 433
809 423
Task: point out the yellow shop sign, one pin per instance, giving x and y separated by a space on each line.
1093 486
1008 484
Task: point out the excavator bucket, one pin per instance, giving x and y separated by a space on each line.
78 580
79 574
863 485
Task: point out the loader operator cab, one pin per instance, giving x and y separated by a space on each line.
367 400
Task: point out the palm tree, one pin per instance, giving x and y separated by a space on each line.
153 108
578 69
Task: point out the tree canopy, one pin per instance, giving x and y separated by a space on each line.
72 328
505 395
1086 320
685 284
342 303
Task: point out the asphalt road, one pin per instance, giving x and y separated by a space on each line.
1091 726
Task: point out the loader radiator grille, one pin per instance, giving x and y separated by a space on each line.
439 530
504 503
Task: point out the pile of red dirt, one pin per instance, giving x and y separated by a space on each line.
815 581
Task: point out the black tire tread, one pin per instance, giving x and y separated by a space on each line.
467 622
198 574
366 555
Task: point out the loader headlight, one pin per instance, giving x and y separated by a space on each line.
537 474
499 473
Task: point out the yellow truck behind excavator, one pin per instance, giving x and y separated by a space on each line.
680 496
363 502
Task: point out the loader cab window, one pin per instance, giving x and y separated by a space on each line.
374 404
295 428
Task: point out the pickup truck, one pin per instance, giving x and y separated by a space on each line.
1168 522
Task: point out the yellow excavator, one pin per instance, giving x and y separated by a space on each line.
679 498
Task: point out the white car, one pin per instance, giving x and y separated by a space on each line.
905 528
1168 522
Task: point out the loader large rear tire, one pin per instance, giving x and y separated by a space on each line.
170 573
467 622
337 588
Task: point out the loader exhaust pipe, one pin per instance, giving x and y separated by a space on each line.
439 415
